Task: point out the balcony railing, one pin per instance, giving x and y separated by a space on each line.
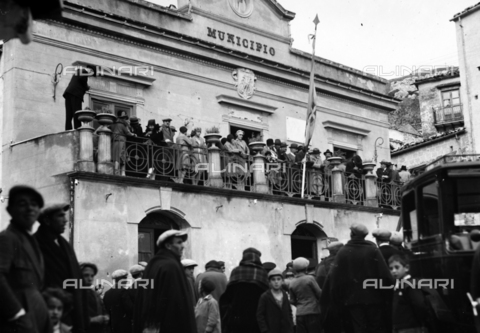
448 115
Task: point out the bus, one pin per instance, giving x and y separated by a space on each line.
441 226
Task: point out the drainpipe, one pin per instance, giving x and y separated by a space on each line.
467 85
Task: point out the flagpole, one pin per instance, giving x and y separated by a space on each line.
312 75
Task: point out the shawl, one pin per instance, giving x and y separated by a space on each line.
166 303
61 264
250 270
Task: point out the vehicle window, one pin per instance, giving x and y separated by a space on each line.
430 223
467 206
409 217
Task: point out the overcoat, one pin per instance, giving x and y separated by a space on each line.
273 318
120 309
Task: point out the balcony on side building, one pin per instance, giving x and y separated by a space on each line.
448 117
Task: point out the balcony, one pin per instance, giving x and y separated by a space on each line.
446 117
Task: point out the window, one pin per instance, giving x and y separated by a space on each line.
452 109
409 217
249 133
111 106
430 211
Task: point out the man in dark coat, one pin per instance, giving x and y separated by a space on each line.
354 166
384 174
323 268
382 237
118 304
215 274
74 93
396 241
22 308
61 266
238 305
99 321
353 283
165 304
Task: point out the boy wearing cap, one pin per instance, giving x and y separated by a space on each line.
305 295
207 312
274 313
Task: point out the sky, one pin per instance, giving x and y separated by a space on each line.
383 37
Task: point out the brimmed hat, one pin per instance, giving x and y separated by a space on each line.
119 273
385 162
278 142
269 142
315 151
151 122
252 250
403 168
52 209
23 189
269 266
91 265
135 269
359 229
167 119
134 120
300 264
284 144
173 129
188 263
382 234
122 114
327 152
294 145
171 233
275 272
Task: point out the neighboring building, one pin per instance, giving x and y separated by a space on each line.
207 58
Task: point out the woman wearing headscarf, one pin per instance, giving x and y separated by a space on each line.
199 152
184 145
236 165
120 131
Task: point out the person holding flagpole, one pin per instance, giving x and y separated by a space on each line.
311 107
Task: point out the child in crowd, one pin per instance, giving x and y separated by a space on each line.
58 303
207 313
274 314
409 311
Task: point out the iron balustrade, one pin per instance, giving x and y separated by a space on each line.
448 114
389 195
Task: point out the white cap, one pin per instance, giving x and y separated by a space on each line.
119 273
136 269
171 233
188 263
143 263
300 264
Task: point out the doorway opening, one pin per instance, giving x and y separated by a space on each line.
149 229
305 241
249 133
346 153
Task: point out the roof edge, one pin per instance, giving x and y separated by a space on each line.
467 11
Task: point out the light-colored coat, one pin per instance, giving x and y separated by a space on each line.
207 315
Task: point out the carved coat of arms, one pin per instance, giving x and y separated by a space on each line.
245 79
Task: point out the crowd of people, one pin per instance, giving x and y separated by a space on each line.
44 288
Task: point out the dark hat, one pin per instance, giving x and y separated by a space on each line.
315 151
183 129
334 246
294 145
91 265
268 266
52 209
382 235
385 162
134 120
300 147
359 229
269 142
252 250
151 122
284 144
207 286
221 264
173 129
313 263
327 152
23 189
122 114
403 168
278 142
167 119
212 264
290 264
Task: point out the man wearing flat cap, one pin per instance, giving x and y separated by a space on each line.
382 237
356 262
213 271
167 132
118 303
22 308
189 267
166 303
323 267
61 266
137 273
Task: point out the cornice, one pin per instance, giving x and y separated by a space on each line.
242 26
122 21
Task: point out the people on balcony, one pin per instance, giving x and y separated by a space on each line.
120 133
184 145
355 166
136 126
168 132
384 174
271 148
404 174
327 167
241 144
199 152
236 164
395 173
152 133
315 179
290 157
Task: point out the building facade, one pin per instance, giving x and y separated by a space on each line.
207 64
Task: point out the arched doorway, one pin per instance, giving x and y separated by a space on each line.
149 229
307 241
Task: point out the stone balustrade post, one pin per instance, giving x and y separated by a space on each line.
85 162
259 178
371 190
214 167
104 160
337 185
